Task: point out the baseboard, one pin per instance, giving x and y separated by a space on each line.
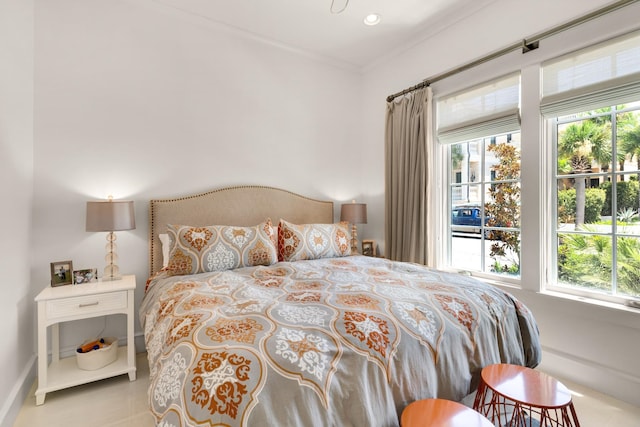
11 407
601 378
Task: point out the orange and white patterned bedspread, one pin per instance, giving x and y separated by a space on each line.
331 342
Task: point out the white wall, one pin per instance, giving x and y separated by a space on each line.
17 313
141 101
591 344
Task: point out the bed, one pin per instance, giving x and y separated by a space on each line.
315 336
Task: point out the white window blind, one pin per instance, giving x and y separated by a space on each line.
601 75
487 109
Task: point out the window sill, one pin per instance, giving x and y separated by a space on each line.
514 286
591 301
492 279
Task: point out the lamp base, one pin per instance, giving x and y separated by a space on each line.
354 240
111 271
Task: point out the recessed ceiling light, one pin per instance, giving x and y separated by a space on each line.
372 19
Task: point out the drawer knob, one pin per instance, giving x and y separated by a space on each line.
89 304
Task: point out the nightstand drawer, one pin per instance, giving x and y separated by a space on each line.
86 304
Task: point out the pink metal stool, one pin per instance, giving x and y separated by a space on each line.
515 396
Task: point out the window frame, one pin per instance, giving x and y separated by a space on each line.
551 282
483 184
537 167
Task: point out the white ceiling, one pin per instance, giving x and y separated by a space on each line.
311 27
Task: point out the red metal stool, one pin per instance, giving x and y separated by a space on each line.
441 413
515 396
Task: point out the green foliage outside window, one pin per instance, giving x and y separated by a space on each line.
586 261
627 196
594 202
629 266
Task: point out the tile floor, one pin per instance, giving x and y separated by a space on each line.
119 402
596 409
111 402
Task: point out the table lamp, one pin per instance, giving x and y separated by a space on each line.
110 215
355 213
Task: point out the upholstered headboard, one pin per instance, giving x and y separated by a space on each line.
242 206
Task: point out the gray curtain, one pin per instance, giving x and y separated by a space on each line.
408 139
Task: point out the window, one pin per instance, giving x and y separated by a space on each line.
485 205
562 211
592 100
480 127
597 201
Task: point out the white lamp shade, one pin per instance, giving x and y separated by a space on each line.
110 215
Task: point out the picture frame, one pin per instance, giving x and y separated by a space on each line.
88 275
369 248
61 273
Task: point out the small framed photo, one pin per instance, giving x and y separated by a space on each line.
369 247
61 273
85 276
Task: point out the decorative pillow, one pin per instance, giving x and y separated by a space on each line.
220 247
312 241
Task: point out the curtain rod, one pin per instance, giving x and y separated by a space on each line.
527 45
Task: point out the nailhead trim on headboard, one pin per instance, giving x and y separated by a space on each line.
295 208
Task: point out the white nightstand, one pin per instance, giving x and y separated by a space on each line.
76 302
